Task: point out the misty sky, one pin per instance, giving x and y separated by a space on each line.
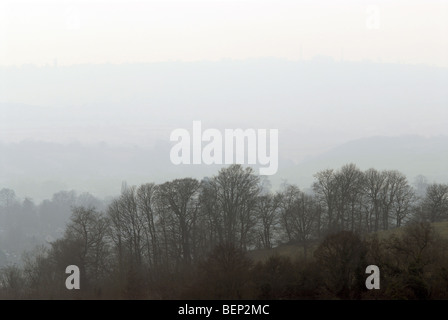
132 104
75 32
129 72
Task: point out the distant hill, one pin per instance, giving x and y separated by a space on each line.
315 104
411 155
39 169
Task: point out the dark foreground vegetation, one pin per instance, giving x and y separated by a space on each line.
190 239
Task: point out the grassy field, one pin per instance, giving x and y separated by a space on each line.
440 227
295 251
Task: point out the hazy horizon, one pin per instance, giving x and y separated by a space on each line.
317 105
83 75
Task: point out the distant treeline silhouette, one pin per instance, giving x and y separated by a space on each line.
193 239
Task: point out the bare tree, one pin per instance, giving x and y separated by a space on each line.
127 229
267 208
146 199
435 203
348 187
288 197
211 215
90 229
303 216
373 187
405 198
180 198
325 189
236 192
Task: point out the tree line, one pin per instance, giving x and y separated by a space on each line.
155 237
